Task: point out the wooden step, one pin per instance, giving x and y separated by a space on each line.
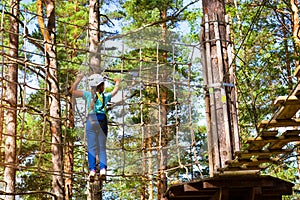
262 154
257 143
247 164
243 167
286 100
296 91
289 106
279 123
291 133
297 72
264 138
282 141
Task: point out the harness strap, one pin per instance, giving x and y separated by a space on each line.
102 101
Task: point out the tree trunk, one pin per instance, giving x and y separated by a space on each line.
69 150
68 165
163 98
287 53
95 188
94 36
150 165
296 37
11 114
144 179
54 102
219 112
295 20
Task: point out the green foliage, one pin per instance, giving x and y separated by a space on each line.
38 182
265 61
261 67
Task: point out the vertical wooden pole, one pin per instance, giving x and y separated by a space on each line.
224 137
233 91
219 83
213 147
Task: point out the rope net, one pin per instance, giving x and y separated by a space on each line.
154 119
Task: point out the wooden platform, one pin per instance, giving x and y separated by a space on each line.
240 187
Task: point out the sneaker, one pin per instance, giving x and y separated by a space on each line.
103 173
92 175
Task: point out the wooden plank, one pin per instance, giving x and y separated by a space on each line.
267 133
245 165
247 153
296 91
229 168
259 142
283 140
291 133
287 112
237 172
189 188
289 107
297 72
250 162
286 100
256 144
258 154
279 123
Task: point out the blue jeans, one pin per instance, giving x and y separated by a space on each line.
96 132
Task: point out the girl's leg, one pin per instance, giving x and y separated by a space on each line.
102 143
91 135
102 150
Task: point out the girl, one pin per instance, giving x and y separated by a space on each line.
96 122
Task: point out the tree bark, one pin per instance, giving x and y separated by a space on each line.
11 114
296 37
95 188
295 20
68 166
150 165
163 98
94 36
221 138
54 102
69 150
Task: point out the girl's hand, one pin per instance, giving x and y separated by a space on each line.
80 75
117 80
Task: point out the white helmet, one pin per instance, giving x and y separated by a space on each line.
95 80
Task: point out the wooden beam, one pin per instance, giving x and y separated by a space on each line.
256 143
241 168
296 91
282 141
291 133
268 133
286 100
263 139
289 107
261 154
279 123
297 72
